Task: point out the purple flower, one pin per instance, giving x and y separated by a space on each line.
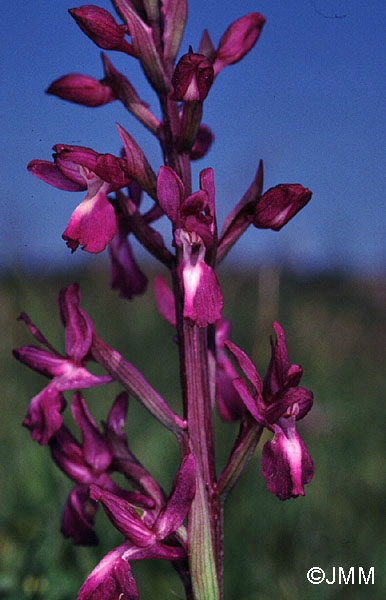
66 372
277 404
146 536
75 168
86 463
279 204
81 89
192 78
194 229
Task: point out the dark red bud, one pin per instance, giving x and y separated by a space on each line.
81 89
202 143
100 26
192 78
279 204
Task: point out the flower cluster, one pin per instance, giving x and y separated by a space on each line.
110 215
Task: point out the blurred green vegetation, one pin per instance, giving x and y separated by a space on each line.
335 328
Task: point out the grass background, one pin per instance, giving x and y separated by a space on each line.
335 328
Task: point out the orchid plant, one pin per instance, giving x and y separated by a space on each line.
186 525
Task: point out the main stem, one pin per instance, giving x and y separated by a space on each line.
204 543
205 517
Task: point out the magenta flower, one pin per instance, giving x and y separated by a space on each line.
81 89
86 463
237 40
279 204
146 536
192 78
286 464
194 229
75 168
66 372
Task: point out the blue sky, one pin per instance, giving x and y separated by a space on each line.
309 99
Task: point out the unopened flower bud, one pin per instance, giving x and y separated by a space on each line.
202 143
237 40
100 26
81 89
279 204
192 78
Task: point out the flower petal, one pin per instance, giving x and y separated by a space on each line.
286 465
253 403
279 365
78 325
203 300
126 276
78 517
179 501
117 415
51 174
43 418
92 224
246 365
229 404
124 517
96 451
41 360
110 580
165 300
170 193
68 456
